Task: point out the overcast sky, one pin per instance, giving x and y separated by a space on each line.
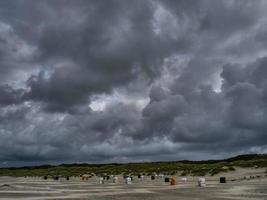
124 81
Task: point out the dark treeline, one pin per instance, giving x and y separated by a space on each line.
245 157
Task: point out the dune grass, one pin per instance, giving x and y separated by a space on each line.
184 168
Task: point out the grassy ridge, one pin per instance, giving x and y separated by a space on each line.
195 168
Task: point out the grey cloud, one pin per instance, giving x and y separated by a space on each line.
236 113
8 95
109 53
201 65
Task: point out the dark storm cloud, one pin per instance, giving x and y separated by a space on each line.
111 45
115 81
10 95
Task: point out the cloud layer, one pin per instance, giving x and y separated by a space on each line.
119 81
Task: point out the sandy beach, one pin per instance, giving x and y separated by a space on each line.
237 187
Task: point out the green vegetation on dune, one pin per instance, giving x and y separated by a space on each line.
194 168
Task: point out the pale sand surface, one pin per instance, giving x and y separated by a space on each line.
35 188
